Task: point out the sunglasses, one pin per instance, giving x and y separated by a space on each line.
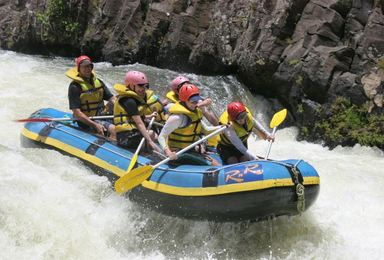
241 116
144 85
194 102
88 66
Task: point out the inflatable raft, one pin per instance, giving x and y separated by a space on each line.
252 190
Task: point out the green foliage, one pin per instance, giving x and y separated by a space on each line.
380 63
293 62
350 124
131 43
59 19
253 7
300 109
42 18
289 40
260 62
304 131
299 80
70 27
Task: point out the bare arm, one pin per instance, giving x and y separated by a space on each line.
210 116
143 130
261 131
173 122
236 142
110 103
205 102
208 128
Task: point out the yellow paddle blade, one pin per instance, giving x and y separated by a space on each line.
133 178
133 162
278 118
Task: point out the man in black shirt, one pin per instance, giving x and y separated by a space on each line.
86 95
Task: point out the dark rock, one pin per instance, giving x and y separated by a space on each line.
347 85
301 52
310 112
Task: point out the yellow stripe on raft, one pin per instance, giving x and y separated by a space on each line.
164 188
229 188
74 151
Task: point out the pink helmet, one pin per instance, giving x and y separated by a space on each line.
133 78
177 82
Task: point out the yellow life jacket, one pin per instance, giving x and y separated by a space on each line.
154 103
242 133
182 137
91 97
213 141
122 121
171 95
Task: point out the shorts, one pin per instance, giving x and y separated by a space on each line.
104 123
226 151
129 139
86 127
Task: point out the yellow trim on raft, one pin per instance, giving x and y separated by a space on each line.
74 151
229 188
163 188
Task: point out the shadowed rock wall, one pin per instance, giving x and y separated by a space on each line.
312 55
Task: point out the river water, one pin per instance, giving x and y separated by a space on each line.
54 207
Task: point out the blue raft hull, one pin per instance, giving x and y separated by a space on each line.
253 190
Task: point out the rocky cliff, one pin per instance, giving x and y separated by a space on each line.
323 59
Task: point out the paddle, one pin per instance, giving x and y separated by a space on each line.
277 119
134 157
50 119
138 175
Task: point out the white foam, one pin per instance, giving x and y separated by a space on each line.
54 207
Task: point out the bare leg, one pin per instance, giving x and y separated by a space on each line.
112 132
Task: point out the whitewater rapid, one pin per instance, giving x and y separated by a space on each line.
53 207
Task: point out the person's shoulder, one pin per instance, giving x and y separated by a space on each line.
74 84
74 87
101 81
176 120
127 99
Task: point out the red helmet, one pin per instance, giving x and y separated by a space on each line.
234 109
135 78
187 91
82 58
179 80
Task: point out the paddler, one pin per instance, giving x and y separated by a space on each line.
185 126
86 95
233 145
134 106
173 97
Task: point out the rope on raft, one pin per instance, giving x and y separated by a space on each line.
213 170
